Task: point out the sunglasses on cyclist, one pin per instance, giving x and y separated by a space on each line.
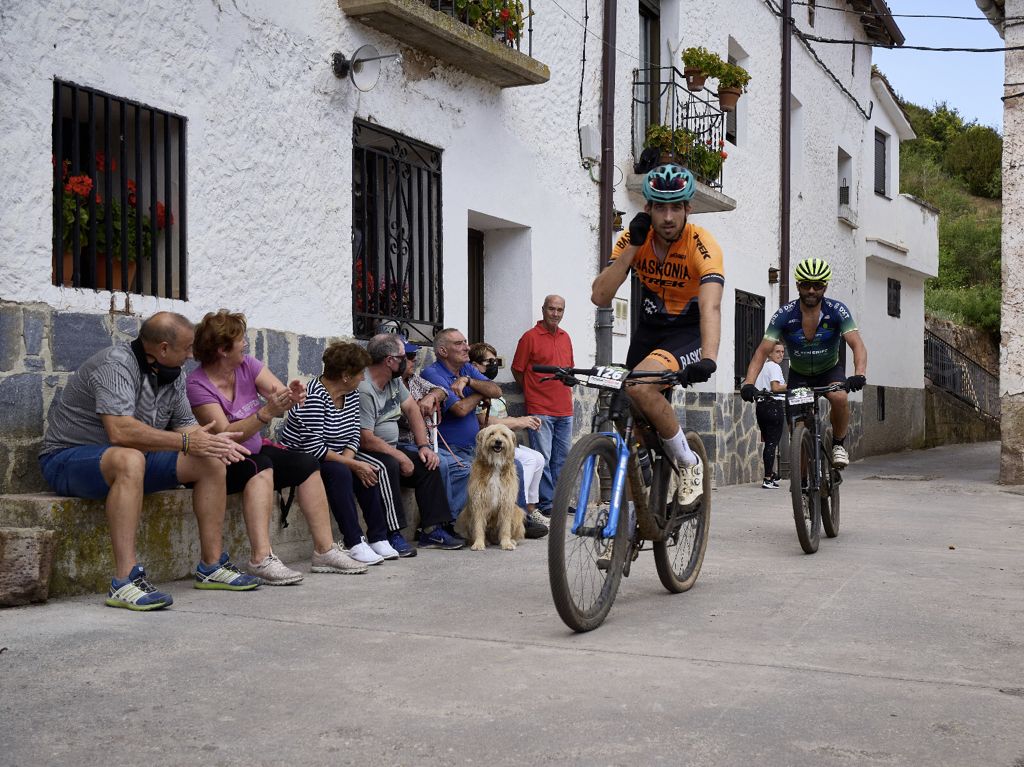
811 285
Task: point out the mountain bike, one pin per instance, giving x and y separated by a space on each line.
813 480
616 491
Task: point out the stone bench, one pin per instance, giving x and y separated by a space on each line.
167 540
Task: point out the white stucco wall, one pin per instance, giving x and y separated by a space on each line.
269 155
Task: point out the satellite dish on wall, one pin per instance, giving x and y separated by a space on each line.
363 69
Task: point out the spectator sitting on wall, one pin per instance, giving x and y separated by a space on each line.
384 398
226 390
465 387
326 425
495 411
122 429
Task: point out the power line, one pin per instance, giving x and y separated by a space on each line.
868 44
597 36
878 14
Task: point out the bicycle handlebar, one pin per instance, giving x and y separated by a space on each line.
568 375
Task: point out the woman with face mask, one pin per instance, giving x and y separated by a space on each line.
495 411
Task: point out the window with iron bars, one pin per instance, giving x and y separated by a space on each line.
749 331
396 235
118 194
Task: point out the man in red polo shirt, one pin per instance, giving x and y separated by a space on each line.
551 401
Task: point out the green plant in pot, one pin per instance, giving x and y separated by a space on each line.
705 159
672 145
698 65
732 81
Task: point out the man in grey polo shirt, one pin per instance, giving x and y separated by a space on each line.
123 428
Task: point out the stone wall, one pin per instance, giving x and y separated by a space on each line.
41 347
976 344
949 421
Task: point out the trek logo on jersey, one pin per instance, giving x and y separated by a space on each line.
700 246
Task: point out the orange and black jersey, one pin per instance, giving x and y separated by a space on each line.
669 290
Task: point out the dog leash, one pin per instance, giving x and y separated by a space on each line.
438 435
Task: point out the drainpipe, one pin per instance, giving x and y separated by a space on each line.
605 317
784 153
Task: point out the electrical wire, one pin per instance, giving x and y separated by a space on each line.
814 54
878 14
597 36
868 44
583 72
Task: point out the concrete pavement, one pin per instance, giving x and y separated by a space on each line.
901 642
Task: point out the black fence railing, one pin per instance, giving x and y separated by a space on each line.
118 194
507 22
959 375
396 235
691 127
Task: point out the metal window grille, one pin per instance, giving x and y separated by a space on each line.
487 18
119 214
880 147
893 298
844 193
749 330
396 234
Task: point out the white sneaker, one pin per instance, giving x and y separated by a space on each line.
384 549
688 484
362 552
840 458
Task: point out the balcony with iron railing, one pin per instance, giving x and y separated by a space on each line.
485 38
692 132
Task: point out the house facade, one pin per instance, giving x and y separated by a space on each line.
208 155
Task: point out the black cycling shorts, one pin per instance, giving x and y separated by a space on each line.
675 347
833 375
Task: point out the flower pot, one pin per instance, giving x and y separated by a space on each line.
694 78
100 283
668 157
727 98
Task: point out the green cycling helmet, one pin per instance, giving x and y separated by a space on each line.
669 183
813 270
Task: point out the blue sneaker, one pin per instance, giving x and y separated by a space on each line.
136 593
439 538
402 546
224 575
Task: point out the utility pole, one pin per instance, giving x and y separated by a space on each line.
605 317
785 149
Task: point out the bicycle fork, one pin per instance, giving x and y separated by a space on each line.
617 493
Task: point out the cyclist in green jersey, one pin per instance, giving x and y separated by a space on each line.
812 328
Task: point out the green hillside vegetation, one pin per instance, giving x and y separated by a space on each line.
957 167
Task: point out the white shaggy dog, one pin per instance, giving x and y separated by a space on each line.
491 512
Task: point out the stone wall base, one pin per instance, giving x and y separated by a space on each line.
948 421
1011 459
26 559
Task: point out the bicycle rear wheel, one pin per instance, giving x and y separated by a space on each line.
806 502
679 556
829 490
582 591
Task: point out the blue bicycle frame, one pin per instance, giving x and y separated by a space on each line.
618 486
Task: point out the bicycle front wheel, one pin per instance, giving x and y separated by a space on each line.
585 568
680 554
806 502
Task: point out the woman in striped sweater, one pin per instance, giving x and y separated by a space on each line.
326 426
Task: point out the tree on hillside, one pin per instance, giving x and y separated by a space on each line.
976 155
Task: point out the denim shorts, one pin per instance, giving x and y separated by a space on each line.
75 471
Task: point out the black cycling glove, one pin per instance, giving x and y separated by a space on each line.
700 371
856 383
747 392
638 229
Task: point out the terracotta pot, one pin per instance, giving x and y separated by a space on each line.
727 98
694 78
100 283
